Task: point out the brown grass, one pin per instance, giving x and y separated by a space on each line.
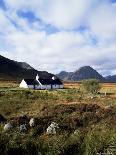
8 84
72 85
108 87
105 87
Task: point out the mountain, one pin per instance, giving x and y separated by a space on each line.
64 75
10 69
24 65
83 73
111 78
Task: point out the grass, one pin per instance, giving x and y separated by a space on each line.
106 87
85 126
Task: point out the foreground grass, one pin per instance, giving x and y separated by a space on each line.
85 126
20 101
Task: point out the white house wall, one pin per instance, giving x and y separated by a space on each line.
61 86
46 87
23 84
55 86
43 86
52 87
37 87
31 86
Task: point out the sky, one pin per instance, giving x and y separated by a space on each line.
58 35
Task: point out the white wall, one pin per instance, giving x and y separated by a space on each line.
55 86
46 87
61 86
43 87
31 86
38 87
23 84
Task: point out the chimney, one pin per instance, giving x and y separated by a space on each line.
53 78
37 77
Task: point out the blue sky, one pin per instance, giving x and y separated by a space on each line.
60 35
2 4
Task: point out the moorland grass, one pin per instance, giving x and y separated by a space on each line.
85 126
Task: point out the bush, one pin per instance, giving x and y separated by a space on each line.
91 85
100 140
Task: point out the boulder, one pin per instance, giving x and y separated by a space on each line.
23 128
32 122
7 126
52 128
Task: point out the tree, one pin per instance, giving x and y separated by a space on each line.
91 86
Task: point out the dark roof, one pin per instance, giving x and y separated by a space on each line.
45 81
50 81
56 82
31 81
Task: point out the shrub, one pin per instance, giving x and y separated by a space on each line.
91 85
99 140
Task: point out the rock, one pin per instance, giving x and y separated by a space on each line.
2 119
76 131
32 122
7 126
52 128
23 128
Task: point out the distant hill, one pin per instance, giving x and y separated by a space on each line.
111 78
64 75
14 70
83 73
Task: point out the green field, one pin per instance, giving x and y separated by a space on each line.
86 126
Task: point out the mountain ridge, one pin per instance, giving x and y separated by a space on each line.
10 69
111 78
83 73
14 70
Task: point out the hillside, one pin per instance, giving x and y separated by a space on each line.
111 78
10 69
85 72
64 75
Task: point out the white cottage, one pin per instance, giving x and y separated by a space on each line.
30 83
41 83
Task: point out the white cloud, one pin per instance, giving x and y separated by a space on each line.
70 47
103 21
66 14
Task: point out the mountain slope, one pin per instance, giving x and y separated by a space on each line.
10 69
24 65
64 75
111 78
85 72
